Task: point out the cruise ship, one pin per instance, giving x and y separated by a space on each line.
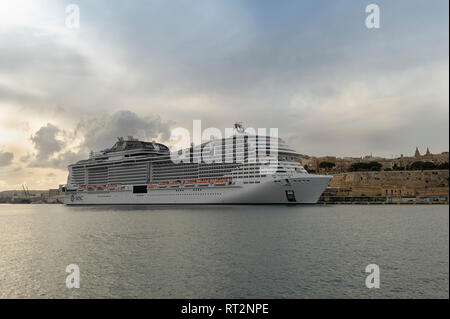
241 169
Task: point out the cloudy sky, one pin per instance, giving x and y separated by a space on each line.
310 68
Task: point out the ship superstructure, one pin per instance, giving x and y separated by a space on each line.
240 169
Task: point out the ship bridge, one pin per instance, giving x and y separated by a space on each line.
130 147
134 144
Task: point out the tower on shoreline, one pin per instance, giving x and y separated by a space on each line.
417 153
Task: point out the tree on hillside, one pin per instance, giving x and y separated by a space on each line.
375 166
362 166
443 166
327 165
420 165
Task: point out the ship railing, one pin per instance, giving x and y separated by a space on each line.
191 183
97 187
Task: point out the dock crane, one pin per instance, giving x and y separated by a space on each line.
27 194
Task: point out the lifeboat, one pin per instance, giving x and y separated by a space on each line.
203 183
174 184
101 186
189 183
163 184
91 187
151 186
220 182
112 186
80 188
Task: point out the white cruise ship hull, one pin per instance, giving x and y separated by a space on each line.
287 191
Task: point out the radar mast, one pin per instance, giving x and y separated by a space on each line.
239 127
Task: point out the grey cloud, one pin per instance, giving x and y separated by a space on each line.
10 94
66 158
97 132
6 158
245 61
102 131
46 144
374 121
242 49
26 158
44 71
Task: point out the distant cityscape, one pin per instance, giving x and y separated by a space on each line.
25 196
332 164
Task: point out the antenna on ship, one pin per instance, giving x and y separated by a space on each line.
239 127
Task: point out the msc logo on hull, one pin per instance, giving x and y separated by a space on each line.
76 197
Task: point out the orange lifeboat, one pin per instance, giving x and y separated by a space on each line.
163 184
203 183
151 186
174 184
189 183
220 182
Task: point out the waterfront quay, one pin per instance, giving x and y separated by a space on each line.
388 187
326 198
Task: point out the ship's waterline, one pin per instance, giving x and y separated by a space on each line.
298 191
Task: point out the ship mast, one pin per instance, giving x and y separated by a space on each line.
239 127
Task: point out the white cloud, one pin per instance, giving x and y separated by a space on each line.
6 158
47 141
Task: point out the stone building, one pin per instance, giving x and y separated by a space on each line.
53 193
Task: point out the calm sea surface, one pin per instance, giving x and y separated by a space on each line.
224 251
